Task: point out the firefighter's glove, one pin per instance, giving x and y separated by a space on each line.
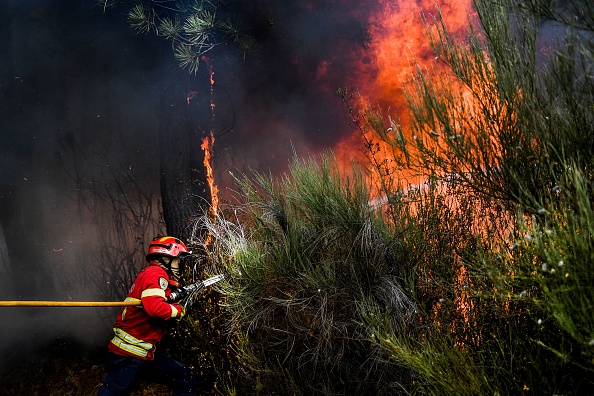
178 310
186 296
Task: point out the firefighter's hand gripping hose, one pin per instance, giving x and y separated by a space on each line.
185 291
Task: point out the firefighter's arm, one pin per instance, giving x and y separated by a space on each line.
155 304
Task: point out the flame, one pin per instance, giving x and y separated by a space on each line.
207 146
399 45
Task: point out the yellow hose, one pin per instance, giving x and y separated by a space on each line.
68 303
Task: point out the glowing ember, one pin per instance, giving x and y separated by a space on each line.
190 96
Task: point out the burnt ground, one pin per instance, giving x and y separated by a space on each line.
62 367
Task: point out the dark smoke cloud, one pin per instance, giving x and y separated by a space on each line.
283 97
79 98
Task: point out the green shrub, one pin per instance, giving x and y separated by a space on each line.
300 256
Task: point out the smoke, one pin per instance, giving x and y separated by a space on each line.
77 114
369 47
80 93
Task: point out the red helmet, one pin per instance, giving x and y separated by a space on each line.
166 246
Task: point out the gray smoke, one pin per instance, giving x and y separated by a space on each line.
79 96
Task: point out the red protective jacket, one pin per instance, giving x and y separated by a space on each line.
138 328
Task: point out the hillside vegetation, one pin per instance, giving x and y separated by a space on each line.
461 262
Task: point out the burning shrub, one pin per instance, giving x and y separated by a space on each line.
515 137
329 294
301 257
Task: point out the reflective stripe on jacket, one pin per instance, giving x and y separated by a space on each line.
131 344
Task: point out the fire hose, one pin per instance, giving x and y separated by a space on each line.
68 303
186 295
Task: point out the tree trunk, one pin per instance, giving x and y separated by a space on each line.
185 117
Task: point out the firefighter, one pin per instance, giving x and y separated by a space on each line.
138 329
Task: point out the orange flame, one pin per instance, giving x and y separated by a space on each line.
207 147
399 44
380 76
